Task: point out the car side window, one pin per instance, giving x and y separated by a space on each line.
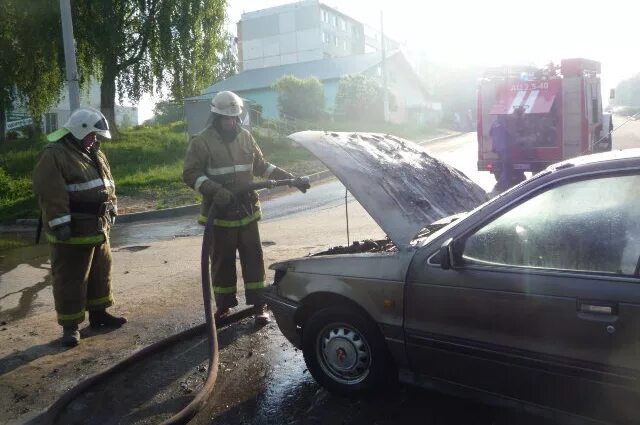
590 225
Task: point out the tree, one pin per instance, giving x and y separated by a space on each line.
227 64
359 98
140 46
167 111
31 66
455 87
301 99
628 92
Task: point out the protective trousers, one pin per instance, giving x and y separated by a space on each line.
226 241
506 169
81 280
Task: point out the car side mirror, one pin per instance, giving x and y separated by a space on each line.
446 254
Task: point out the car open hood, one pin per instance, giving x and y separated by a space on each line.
395 180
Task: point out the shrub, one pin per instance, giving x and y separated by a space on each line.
300 99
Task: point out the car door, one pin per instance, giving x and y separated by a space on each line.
544 303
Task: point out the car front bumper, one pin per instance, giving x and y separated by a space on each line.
284 311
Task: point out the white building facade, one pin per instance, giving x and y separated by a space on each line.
301 32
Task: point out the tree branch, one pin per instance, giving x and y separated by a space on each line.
143 40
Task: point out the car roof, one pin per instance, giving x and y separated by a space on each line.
597 158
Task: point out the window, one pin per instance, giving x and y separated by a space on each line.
345 45
335 40
334 20
325 16
393 102
50 122
591 225
325 37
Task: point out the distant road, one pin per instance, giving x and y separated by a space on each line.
627 136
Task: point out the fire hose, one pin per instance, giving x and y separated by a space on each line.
51 414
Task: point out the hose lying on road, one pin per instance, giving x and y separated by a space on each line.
52 413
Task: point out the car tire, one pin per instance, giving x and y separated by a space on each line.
346 353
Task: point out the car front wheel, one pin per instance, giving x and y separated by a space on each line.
345 352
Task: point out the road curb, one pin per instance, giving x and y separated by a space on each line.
439 138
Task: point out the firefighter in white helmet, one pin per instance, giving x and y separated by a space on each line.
74 187
222 157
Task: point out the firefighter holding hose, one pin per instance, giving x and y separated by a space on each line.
219 160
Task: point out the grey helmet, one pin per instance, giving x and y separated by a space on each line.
227 103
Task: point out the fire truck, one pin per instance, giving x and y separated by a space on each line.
553 113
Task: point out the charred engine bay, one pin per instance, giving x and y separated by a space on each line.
358 247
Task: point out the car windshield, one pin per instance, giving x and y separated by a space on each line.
435 229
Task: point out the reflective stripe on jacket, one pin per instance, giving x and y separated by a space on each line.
65 176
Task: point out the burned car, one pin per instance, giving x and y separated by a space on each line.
529 299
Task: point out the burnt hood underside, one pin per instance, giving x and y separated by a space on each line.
395 180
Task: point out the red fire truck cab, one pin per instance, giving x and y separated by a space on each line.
553 113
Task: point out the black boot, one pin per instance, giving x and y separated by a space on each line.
70 336
100 318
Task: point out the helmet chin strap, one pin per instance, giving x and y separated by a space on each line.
88 143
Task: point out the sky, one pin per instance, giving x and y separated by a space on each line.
494 32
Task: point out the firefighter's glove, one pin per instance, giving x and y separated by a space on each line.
62 232
222 197
302 183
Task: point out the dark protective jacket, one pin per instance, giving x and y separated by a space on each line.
210 163
75 187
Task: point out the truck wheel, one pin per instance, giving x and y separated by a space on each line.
345 352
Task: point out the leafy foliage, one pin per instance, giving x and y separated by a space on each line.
167 111
301 99
227 63
455 87
628 92
31 65
142 45
359 98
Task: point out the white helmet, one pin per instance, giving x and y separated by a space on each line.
82 122
227 103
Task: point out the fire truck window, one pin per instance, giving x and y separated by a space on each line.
591 226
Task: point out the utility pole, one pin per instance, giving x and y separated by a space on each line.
70 55
384 70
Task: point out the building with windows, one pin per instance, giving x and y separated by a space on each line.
301 32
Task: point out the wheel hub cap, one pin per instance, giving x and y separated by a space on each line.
344 354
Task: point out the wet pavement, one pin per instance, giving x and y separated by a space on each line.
263 380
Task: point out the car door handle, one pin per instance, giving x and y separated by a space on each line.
598 312
589 308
